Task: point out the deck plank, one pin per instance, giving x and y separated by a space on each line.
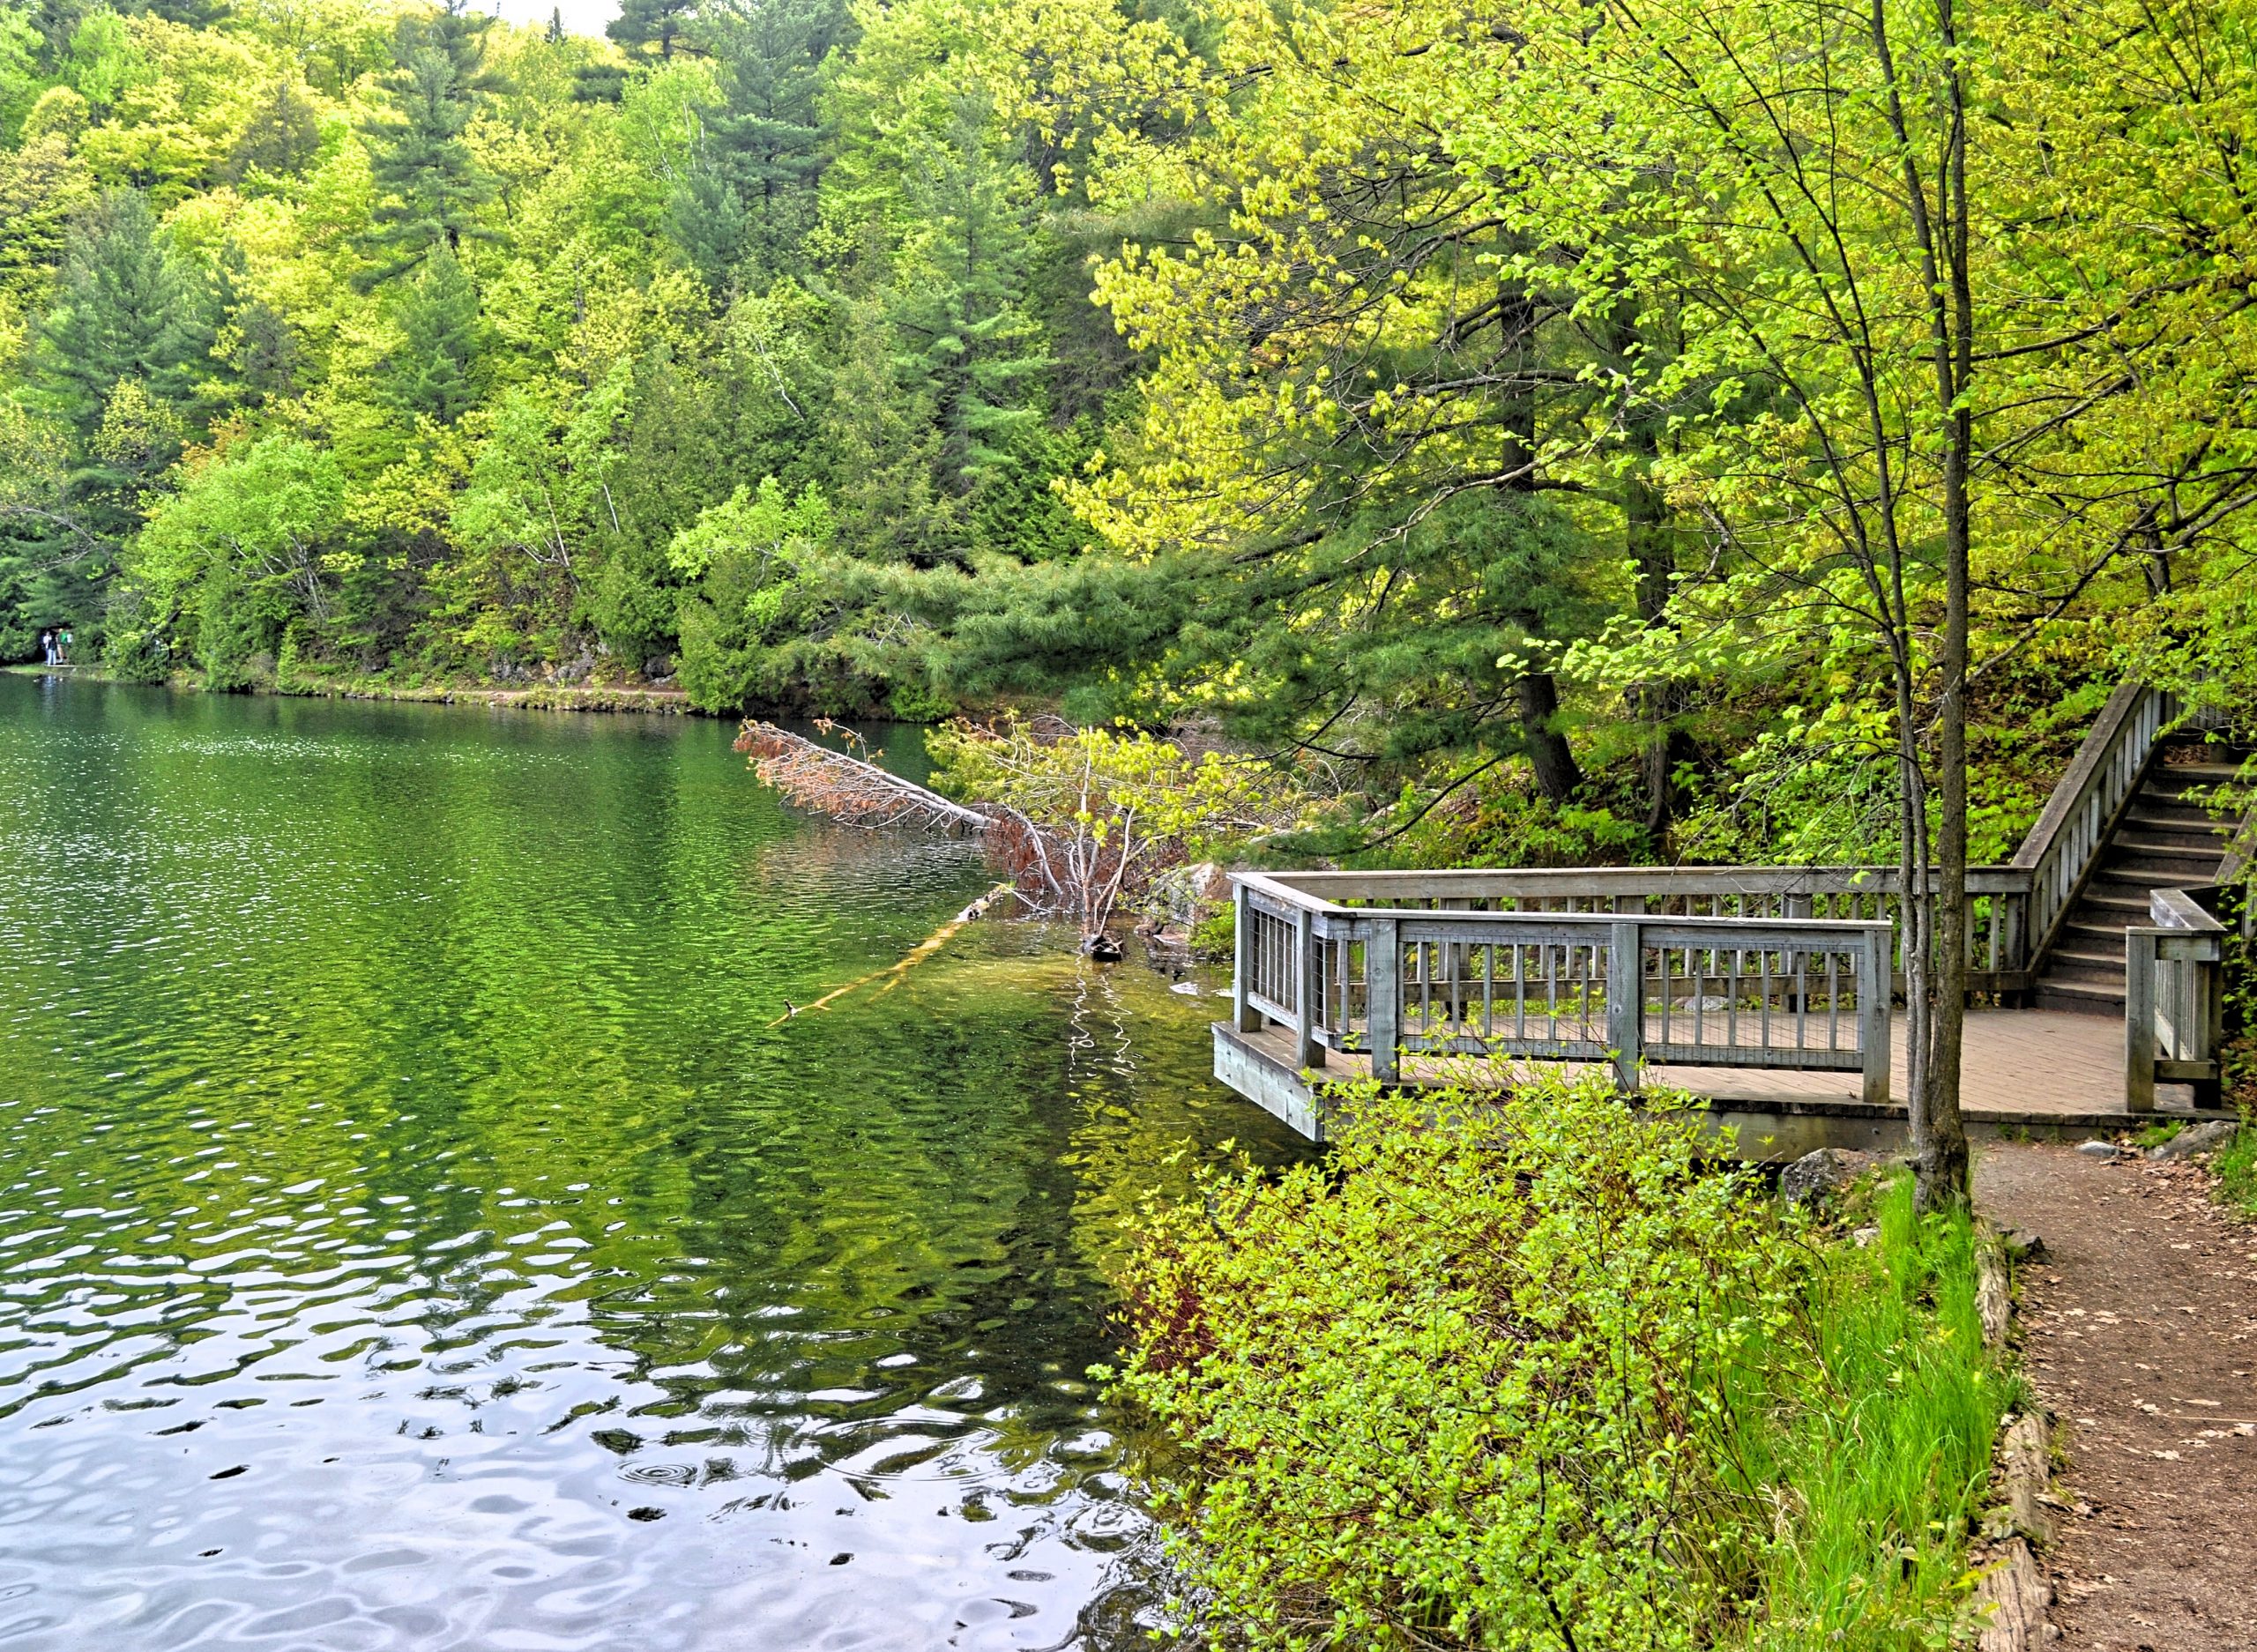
2021 1065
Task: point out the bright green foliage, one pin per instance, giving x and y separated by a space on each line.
19 77
42 185
759 620
544 304
240 549
1885 1457
1532 1373
2236 1169
1414 429
538 492
1102 813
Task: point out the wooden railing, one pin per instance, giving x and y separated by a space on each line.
1997 926
1623 984
2061 849
1720 967
2174 1000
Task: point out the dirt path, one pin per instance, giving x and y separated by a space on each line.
2141 1333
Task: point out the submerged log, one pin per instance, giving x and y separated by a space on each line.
892 973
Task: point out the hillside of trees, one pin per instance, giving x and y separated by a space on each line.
1594 429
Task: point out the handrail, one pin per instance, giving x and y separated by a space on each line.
1803 993
1620 945
1998 898
2082 767
2174 1000
2064 846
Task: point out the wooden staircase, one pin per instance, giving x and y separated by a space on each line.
2160 840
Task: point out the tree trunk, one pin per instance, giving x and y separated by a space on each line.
1557 772
1941 228
1940 1167
1653 553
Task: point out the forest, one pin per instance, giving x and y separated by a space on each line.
1590 433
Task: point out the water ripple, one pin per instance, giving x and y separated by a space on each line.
414 1233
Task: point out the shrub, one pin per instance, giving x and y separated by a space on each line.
1528 1372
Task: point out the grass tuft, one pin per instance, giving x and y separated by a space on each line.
2235 1166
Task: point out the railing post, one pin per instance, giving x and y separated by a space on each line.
1306 1051
2210 974
1626 1009
1247 1017
2010 912
1875 982
1383 994
2139 1019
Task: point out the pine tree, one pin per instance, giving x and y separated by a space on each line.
555 35
256 348
125 308
437 374
765 145
120 353
431 184
641 24
195 14
281 138
957 306
599 82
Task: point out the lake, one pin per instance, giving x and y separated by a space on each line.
423 1228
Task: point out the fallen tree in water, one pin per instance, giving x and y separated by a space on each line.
848 787
1081 820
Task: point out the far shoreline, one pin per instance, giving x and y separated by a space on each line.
535 697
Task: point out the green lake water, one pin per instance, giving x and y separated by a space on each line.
415 1233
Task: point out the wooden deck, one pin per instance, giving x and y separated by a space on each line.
2046 1074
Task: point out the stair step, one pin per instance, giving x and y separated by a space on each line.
2173 805
2206 838
2080 978
2173 776
2143 844
2173 874
2133 877
2083 997
2074 949
2102 902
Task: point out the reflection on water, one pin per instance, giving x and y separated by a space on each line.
415 1235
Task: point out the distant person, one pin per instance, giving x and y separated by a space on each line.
63 647
46 648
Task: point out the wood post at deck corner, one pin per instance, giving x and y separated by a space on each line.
1876 971
2139 1019
1383 994
1308 1051
1245 1016
1626 1009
